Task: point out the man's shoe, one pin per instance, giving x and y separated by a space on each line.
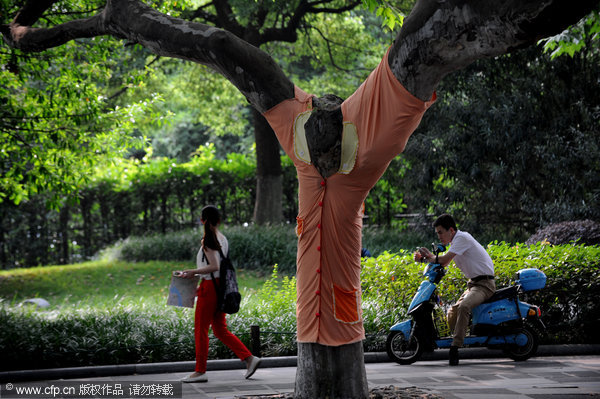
252 365
453 356
195 377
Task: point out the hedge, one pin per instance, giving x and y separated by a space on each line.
132 333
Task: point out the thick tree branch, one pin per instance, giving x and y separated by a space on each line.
255 33
250 69
201 14
31 11
288 33
313 9
259 17
31 39
226 18
439 37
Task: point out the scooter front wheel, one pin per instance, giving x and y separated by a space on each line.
402 350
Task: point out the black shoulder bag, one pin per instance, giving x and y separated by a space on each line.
228 294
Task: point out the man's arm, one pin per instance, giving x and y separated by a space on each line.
445 259
425 254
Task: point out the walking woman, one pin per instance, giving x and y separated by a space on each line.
207 315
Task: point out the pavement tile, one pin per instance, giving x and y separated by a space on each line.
551 377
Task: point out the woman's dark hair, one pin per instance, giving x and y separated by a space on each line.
446 221
211 219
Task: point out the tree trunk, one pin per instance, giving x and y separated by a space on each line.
269 175
331 372
85 204
64 217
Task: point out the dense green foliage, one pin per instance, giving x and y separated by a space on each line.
134 198
575 39
143 329
59 118
512 145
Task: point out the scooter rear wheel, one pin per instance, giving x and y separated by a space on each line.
401 350
522 353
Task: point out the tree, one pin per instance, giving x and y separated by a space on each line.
508 132
436 39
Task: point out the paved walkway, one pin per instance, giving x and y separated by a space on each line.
551 375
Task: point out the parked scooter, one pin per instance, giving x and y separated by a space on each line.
502 322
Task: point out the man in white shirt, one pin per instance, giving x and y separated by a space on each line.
475 263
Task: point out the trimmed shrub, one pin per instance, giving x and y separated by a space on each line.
251 247
568 304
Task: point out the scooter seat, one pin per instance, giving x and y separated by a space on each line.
503 293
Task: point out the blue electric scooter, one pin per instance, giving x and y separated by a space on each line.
502 322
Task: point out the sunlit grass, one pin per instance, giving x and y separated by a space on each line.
102 284
116 313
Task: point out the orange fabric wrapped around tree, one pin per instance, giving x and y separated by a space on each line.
378 120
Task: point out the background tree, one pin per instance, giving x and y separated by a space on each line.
508 132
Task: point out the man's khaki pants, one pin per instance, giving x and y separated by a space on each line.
460 312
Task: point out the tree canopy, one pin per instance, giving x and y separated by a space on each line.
59 117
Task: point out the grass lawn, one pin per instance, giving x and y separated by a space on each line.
108 312
102 283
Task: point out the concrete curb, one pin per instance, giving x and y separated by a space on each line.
267 362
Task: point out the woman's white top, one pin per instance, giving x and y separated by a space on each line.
201 260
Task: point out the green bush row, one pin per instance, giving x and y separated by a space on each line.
143 331
569 308
146 332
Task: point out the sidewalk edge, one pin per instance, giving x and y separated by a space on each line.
267 362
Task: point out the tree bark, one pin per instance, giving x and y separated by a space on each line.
439 37
64 216
85 204
331 372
